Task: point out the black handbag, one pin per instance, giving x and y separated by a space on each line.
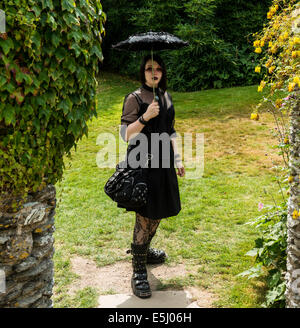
128 186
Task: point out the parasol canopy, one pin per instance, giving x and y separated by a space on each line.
151 41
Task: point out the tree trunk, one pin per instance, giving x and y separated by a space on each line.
293 225
26 251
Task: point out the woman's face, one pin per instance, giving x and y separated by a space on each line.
157 73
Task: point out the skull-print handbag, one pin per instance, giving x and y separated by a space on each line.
128 186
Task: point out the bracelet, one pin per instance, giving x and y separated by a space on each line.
141 120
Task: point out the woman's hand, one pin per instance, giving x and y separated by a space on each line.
180 169
152 111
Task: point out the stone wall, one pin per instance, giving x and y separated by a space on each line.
26 251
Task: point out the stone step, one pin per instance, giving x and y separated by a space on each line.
159 299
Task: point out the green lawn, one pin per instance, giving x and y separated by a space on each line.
209 235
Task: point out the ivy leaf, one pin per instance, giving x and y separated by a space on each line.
37 11
76 48
51 21
19 96
76 35
68 5
70 64
79 13
70 20
24 77
81 74
97 51
47 4
60 53
65 105
6 45
55 39
2 81
36 39
9 115
9 87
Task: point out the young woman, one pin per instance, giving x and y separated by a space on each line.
152 117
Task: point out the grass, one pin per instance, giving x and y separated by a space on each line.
209 234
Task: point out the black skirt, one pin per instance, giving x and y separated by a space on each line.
163 199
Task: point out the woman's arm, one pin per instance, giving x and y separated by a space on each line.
177 159
134 128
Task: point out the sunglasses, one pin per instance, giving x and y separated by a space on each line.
149 69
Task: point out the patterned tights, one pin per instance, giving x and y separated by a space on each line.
144 229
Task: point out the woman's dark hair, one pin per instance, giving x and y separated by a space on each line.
163 81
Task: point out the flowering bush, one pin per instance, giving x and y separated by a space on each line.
278 43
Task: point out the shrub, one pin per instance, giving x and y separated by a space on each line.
48 62
279 71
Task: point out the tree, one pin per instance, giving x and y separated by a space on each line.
48 63
218 31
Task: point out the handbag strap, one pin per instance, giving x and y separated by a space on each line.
138 98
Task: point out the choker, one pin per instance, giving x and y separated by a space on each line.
146 87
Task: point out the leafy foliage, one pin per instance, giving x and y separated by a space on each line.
214 59
270 253
279 66
48 61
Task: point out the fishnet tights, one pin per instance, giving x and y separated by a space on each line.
144 229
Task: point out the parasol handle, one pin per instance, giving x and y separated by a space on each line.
153 87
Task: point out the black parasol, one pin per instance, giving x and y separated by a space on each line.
151 41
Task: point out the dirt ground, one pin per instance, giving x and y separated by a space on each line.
115 278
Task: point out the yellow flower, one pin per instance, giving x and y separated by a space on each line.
262 84
273 49
291 86
294 54
258 50
295 214
262 43
254 116
269 15
278 103
297 80
257 69
269 62
256 43
290 178
296 40
270 44
271 69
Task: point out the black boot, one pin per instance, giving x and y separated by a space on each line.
155 256
139 283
